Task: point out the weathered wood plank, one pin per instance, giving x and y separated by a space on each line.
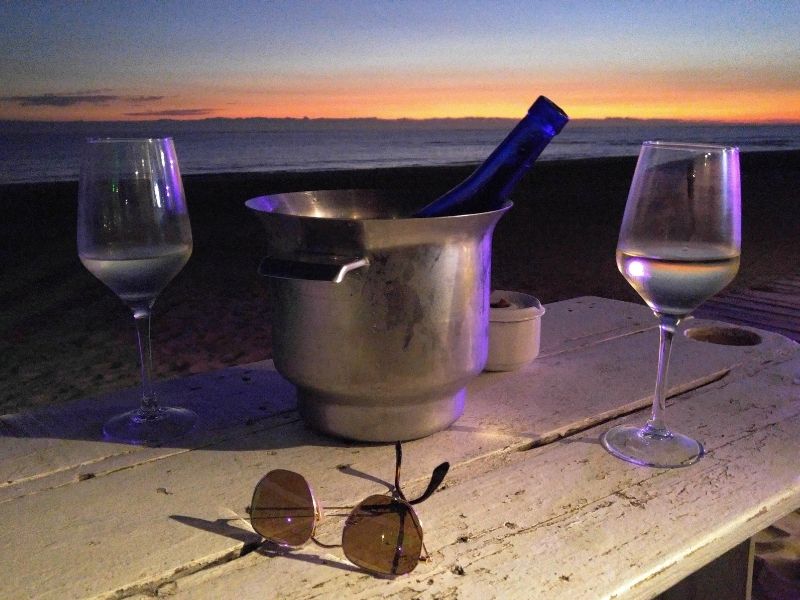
153 517
583 321
567 520
788 284
135 527
253 393
760 320
565 393
58 445
789 329
778 304
776 295
774 306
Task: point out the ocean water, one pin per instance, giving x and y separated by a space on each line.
33 152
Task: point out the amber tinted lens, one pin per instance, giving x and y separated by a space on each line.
383 536
283 509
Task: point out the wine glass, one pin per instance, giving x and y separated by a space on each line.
134 235
679 245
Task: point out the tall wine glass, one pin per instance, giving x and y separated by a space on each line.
679 245
134 236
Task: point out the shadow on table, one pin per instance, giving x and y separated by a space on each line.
249 407
254 542
239 408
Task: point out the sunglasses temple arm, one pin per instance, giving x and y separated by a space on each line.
437 478
424 556
398 453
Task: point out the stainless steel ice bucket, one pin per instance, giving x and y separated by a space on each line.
380 321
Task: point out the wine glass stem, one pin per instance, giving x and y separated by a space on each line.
142 319
657 425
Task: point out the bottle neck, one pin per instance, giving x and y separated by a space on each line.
494 180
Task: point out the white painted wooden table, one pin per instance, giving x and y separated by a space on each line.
533 506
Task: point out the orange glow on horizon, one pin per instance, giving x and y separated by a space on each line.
505 95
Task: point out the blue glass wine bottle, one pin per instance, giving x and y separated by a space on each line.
491 183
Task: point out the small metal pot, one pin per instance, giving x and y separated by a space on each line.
380 321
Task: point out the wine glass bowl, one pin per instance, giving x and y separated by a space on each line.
134 235
679 244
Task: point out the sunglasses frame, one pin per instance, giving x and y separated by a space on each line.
395 497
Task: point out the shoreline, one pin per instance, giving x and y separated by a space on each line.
388 172
63 335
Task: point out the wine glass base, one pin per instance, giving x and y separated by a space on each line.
154 426
640 446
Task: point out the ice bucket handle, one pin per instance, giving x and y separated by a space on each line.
312 267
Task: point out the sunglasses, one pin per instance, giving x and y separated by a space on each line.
382 534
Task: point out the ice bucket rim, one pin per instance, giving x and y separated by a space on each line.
271 204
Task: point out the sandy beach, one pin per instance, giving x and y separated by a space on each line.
63 335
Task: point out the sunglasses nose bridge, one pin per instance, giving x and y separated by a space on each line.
317 511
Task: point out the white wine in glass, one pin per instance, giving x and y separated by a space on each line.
134 235
679 244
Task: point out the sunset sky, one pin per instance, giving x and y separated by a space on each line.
131 60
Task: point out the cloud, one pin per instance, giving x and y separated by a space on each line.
175 112
142 99
64 100
61 100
